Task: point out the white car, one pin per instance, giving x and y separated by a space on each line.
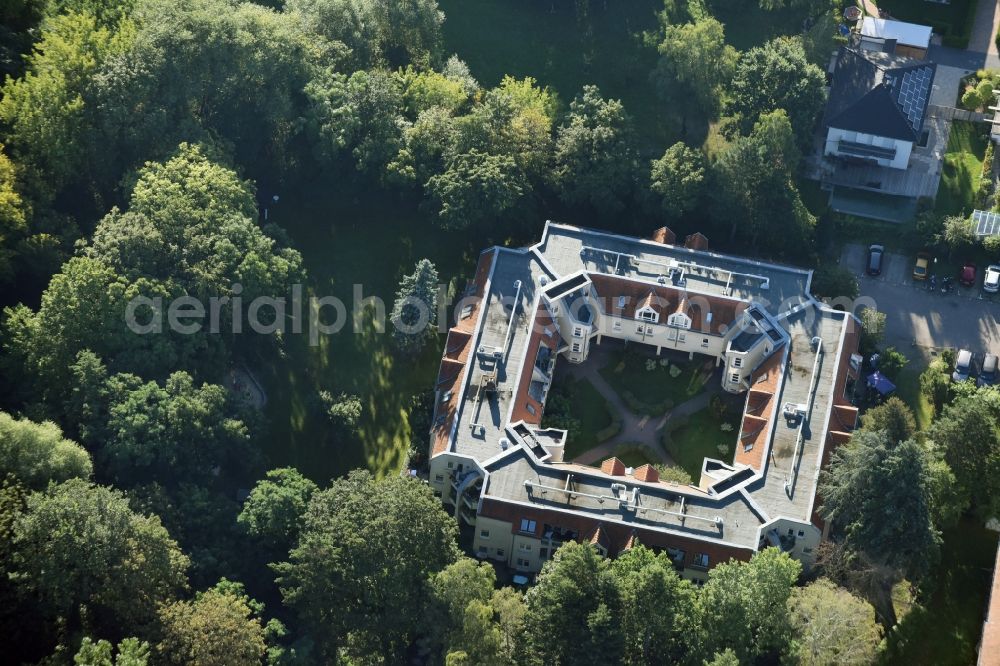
991 281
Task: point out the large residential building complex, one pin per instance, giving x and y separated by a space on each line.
504 475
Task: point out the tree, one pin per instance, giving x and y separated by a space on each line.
754 181
361 114
935 383
177 432
834 281
131 652
12 215
658 609
37 453
872 329
453 590
725 658
414 312
572 611
879 495
594 162
743 605
775 76
275 510
77 545
967 434
476 187
695 66
831 626
893 418
217 628
957 233
360 540
678 178
375 31
46 109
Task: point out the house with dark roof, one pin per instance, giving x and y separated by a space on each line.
877 107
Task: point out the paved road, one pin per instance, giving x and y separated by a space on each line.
921 320
982 50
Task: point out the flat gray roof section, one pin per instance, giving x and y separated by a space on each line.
491 411
569 249
656 507
782 466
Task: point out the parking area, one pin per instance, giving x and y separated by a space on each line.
917 317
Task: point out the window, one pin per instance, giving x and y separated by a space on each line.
577 332
807 550
524 547
528 525
791 532
704 342
738 362
530 408
484 534
649 330
500 552
522 563
450 465
640 328
735 378
576 346
617 325
700 560
680 337
482 550
439 477
437 493
802 533
543 553
647 315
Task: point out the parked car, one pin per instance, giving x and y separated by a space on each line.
875 255
991 281
988 374
967 276
921 266
963 366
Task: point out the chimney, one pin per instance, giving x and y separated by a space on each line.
613 466
646 473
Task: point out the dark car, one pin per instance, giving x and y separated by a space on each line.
967 276
988 375
963 366
875 255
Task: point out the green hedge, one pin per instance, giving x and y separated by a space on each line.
604 434
648 408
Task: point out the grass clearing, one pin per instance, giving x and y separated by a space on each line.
646 384
944 627
700 437
566 45
963 165
353 234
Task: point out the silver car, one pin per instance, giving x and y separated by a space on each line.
991 281
963 366
988 374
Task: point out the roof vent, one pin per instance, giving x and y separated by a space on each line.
504 443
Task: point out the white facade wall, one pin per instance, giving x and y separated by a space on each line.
903 148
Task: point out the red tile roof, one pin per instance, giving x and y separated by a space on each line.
696 241
646 473
613 467
664 235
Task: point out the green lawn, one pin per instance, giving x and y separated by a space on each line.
952 20
633 455
590 409
350 234
945 627
700 438
908 390
654 391
963 165
566 45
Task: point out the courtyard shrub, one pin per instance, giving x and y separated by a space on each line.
604 434
674 474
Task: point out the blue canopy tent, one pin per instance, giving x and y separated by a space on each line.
881 383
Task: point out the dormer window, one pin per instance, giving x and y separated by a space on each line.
648 314
679 320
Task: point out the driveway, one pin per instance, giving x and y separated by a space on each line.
982 50
919 320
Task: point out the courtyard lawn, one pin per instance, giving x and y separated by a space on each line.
565 45
353 234
633 455
654 391
963 165
700 437
592 412
944 628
